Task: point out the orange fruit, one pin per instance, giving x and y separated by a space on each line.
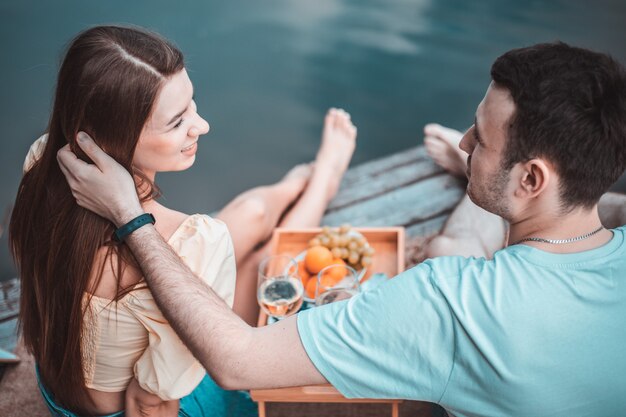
328 280
338 273
310 287
317 258
303 273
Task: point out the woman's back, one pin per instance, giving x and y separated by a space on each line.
130 337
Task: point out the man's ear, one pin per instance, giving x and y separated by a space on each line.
534 176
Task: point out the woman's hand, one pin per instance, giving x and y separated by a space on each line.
105 187
141 403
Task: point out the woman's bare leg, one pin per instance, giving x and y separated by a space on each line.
245 304
252 216
333 158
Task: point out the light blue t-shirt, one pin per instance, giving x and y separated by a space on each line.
528 333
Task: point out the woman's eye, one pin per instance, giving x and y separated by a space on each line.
180 122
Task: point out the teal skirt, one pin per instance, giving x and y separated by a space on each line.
208 399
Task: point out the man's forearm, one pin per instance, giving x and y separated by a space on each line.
236 355
203 321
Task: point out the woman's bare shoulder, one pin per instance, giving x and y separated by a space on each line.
167 222
107 285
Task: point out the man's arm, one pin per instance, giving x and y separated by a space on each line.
236 355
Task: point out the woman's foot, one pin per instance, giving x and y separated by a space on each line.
336 149
442 145
331 162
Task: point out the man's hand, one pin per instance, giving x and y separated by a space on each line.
141 403
105 187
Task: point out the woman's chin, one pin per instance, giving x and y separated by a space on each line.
180 166
188 163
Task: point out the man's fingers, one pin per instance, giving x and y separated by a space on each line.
69 176
97 155
68 162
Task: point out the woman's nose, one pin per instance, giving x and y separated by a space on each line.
201 127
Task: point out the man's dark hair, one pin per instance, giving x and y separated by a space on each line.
570 108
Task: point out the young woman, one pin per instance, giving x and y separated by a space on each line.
87 317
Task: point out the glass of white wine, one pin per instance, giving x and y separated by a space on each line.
335 283
279 290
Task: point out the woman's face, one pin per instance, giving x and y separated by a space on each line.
168 141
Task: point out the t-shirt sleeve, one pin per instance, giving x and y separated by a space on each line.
394 341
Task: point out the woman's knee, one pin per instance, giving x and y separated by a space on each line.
252 209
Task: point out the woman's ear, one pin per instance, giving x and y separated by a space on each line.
534 177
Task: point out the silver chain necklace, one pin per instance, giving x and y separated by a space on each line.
560 241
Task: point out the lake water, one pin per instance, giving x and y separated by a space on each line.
266 71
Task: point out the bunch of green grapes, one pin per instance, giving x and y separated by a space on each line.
344 244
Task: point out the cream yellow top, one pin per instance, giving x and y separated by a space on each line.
132 338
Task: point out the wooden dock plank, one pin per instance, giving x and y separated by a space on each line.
385 163
404 206
8 334
9 307
375 184
9 299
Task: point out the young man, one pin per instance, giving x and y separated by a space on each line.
537 330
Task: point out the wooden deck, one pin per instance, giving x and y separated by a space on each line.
9 305
404 189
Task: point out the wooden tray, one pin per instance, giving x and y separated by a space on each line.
388 242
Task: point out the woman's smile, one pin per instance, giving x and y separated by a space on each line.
191 149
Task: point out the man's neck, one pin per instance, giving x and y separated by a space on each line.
551 226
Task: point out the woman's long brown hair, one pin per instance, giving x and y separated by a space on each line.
107 86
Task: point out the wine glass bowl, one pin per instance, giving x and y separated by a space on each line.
335 283
279 289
